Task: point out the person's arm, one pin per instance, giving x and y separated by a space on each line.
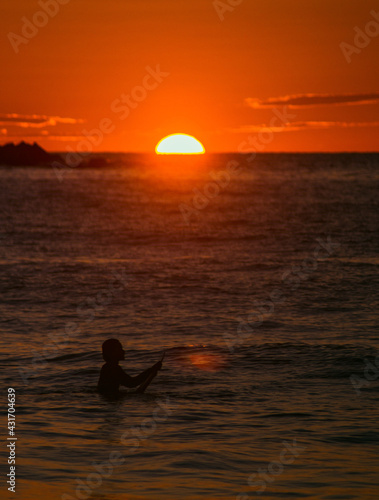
151 377
129 381
146 384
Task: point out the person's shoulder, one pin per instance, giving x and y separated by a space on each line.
121 372
111 368
108 368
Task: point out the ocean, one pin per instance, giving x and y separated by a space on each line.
257 277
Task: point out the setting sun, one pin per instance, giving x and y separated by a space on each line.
179 144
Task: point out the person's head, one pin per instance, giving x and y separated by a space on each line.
113 351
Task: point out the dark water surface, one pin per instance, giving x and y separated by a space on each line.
265 302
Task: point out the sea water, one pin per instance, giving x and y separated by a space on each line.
257 277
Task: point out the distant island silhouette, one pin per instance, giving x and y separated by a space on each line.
26 154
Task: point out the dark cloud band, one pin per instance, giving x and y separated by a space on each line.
314 100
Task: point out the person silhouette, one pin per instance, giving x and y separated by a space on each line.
112 375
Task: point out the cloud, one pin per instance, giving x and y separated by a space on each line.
35 121
308 125
64 138
313 100
43 135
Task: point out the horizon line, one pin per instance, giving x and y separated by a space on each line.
226 152
152 152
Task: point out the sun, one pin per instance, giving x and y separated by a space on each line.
179 144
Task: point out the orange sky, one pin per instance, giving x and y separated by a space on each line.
222 80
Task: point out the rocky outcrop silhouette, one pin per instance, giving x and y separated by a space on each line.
25 154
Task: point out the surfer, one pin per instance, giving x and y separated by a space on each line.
112 375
